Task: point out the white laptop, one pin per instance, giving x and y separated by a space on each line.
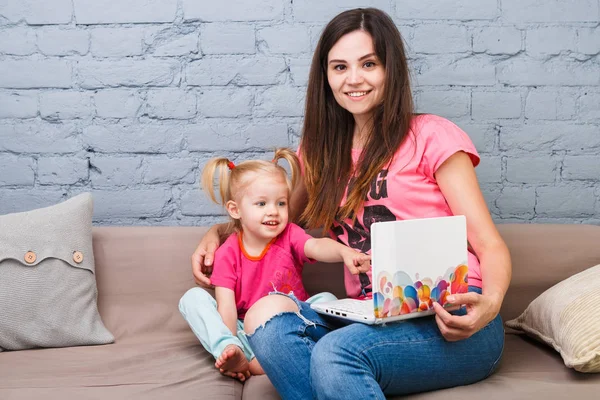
414 263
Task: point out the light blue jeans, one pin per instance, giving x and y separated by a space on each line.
199 309
308 356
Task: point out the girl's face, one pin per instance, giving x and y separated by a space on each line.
355 74
263 206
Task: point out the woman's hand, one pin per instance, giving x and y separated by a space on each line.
481 310
203 257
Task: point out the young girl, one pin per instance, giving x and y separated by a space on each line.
265 254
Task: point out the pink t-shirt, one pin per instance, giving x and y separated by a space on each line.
279 267
408 189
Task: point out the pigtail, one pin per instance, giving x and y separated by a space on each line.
208 174
292 159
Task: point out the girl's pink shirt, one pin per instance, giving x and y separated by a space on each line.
407 188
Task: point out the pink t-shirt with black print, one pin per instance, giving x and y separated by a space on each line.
407 189
278 268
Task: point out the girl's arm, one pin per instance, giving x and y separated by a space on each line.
328 250
226 307
458 183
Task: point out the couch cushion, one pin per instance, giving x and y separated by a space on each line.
47 278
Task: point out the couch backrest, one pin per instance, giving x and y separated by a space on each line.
143 271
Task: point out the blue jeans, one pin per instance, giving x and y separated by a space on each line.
310 356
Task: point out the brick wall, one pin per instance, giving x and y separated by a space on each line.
129 99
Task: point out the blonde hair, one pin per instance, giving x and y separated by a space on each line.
232 179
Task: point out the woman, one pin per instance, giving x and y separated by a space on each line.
368 158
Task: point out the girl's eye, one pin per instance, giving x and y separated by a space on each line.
282 204
261 204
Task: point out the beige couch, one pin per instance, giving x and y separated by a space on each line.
142 272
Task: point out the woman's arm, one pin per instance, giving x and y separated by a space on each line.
202 259
458 183
226 307
328 250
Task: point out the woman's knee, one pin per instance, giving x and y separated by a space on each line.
265 309
195 297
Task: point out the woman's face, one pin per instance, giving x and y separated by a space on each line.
355 74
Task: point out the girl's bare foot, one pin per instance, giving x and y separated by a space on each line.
255 368
232 362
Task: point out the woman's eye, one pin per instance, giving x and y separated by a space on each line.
339 67
369 64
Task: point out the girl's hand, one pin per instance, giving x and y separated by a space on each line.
202 259
357 262
481 309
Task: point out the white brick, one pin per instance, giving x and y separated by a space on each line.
518 202
60 42
17 171
132 138
18 104
482 135
18 41
25 74
532 170
440 38
553 136
39 137
285 39
227 38
175 45
236 136
490 169
588 40
65 105
550 40
225 102
20 200
117 103
243 71
149 72
556 72
549 104
233 10
323 11
90 12
169 170
62 171
581 168
496 104
171 103
523 11
446 103
117 42
497 40
36 12
471 71
111 204
589 106
281 101
458 9
196 203
299 70
565 201
110 171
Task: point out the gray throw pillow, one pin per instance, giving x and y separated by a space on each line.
48 294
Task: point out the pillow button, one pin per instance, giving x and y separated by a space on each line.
30 257
78 257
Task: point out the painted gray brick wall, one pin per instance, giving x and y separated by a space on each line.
128 99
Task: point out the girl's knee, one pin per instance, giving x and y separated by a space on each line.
194 297
265 309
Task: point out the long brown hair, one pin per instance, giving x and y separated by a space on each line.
326 145
233 179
